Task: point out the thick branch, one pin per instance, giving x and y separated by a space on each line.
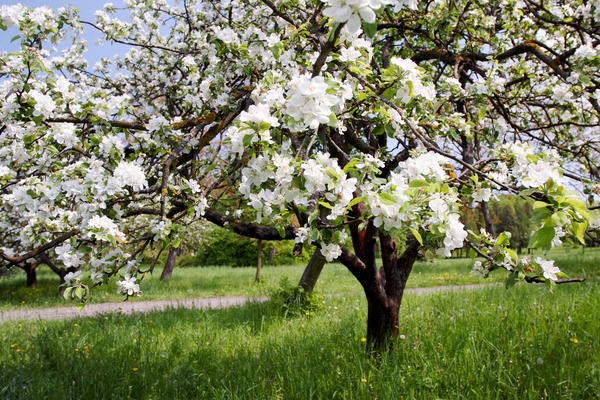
249 230
35 252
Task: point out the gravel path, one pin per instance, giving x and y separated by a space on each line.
159 305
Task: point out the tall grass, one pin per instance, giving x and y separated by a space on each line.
523 343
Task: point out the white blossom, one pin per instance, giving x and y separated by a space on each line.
548 267
128 286
331 251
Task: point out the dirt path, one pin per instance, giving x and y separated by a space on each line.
159 305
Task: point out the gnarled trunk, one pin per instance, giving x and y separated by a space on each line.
383 287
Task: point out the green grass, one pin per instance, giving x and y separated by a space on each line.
226 281
524 343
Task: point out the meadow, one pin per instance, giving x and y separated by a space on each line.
527 342
227 281
524 343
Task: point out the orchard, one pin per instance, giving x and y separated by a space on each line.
340 124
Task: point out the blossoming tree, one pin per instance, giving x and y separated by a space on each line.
328 123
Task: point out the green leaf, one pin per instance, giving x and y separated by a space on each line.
331 173
356 200
579 206
79 292
175 243
418 183
333 121
542 238
539 204
512 254
511 280
503 239
277 50
370 28
539 216
528 192
350 164
280 230
417 235
387 198
326 205
579 231
67 294
247 140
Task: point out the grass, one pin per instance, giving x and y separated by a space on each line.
524 343
226 281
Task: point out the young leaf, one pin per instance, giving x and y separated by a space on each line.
417 235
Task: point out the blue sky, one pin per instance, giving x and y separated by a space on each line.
87 9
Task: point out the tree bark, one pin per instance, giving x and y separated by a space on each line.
30 271
383 287
311 272
489 226
258 261
169 264
382 323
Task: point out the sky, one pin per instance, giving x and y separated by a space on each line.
87 9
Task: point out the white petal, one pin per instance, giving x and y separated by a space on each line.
367 14
353 23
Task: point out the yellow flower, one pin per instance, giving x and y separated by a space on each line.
364 380
75 325
574 340
12 346
364 339
134 369
76 349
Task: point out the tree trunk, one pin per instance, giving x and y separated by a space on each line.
311 272
384 292
169 264
258 261
489 226
31 274
382 323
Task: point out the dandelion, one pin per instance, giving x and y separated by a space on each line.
75 325
364 380
12 346
574 340
20 350
364 339
134 369
76 349
539 361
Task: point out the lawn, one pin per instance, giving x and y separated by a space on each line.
226 281
528 342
